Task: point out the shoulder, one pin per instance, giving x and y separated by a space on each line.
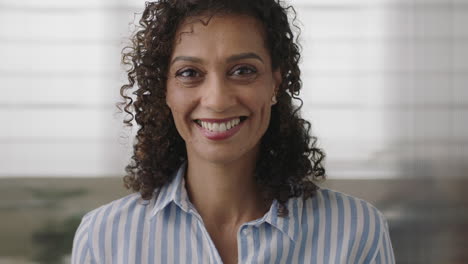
343 204
113 211
123 204
353 223
98 222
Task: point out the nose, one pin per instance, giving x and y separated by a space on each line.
218 95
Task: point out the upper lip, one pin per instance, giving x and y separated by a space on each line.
216 120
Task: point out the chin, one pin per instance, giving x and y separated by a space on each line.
219 157
220 154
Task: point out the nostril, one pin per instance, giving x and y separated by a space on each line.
219 101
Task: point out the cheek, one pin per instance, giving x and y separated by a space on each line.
171 92
179 100
266 109
177 109
261 107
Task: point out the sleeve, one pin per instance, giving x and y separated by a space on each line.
385 250
81 251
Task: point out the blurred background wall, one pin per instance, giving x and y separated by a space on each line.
385 87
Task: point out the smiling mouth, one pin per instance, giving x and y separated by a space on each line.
220 125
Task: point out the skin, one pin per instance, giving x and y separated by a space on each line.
219 71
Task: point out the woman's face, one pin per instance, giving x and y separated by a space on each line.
220 87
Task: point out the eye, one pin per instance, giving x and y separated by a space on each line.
244 70
187 73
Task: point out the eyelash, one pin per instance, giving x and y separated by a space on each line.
250 69
181 72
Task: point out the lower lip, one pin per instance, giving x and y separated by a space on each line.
220 135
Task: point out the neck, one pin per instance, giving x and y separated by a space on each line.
225 194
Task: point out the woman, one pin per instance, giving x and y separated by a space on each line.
223 164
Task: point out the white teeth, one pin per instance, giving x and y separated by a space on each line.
220 127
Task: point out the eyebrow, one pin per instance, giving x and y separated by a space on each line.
236 57
186 58
241 56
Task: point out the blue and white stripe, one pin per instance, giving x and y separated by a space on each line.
330 228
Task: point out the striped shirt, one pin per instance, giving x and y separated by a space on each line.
331 227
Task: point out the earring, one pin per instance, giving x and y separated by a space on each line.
273 99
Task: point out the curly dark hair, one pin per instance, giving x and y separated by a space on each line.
289 161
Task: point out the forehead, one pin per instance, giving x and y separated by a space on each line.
220 35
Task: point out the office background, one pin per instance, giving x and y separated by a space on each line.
385 86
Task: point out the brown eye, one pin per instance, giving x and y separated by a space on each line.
244 70
187 73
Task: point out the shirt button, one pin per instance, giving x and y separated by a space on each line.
143 201
245 231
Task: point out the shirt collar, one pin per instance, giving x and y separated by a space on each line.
291 224
175 192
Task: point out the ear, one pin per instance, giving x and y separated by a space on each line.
167 103
277 80
276 85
